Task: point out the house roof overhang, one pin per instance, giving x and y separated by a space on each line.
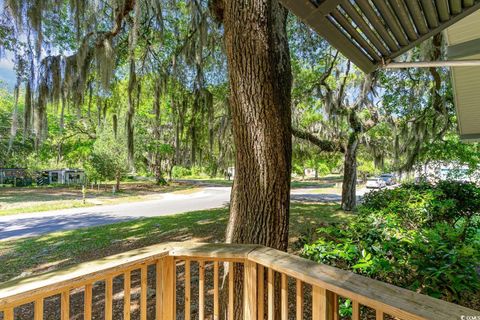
374 32
371 33
463 41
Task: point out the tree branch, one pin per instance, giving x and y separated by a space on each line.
324 145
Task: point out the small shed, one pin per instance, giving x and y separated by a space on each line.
15 176
61 176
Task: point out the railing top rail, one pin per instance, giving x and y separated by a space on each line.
212 250
393 300
24 288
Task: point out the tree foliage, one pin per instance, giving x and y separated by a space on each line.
422 237
158 68
109 156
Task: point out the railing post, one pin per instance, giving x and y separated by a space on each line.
250 291
323 304
261 292
8 314
166 297
355 310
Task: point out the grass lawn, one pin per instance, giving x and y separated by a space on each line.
24 257
37 199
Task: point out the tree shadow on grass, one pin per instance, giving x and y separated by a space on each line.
35 255
28 195
23 257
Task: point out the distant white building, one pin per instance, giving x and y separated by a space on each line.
231 173
438 171
61 176
310 173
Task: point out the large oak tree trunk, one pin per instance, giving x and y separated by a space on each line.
260 81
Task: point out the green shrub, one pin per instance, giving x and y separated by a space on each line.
180 172
422 237
196 171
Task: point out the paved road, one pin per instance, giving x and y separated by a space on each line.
37 223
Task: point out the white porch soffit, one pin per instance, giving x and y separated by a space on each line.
463 39
373 32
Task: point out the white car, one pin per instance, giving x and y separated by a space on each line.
388 178
375 183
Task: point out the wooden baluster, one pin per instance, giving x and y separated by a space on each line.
322 304
127 284
87 303
231 292
379 315
65 305
284 297
250 291
201 290
261 292
158 290
216 306
108 298
318 308
271 295
38 313
188 290
355 310
299 300
174 289
335 307
168 292
143 292
330 304
8 314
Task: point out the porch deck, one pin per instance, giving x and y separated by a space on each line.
173 262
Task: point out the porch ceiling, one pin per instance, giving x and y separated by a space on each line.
463 41
372 32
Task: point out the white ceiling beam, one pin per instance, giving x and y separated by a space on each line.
430 64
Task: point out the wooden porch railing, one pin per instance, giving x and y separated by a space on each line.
307 289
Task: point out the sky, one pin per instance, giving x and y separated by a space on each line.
7 74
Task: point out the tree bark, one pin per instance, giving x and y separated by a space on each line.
118 177
260 81
349 187
260 87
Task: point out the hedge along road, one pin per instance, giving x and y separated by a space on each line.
38 223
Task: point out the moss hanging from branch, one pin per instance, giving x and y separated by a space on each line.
67 74
132 86
14 125
27 115
77 7
34 14
115 125
105 60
